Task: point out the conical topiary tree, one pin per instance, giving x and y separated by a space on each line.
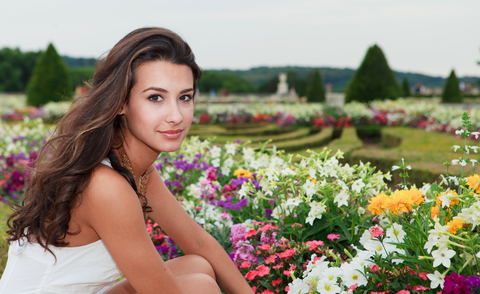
451 92
50 80
373 79
406 88
316 90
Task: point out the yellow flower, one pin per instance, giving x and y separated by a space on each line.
312 180
401 201
455 225
472 182
416 196
242 173
377 204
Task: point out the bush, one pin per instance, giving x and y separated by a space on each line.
406 88
373 79
50 80
451 92
316 90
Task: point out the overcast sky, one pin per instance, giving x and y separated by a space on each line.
423 36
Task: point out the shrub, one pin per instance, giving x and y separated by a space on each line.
373 79
406 88
50 80
451 92
316 90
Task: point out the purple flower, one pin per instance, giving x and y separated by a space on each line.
177 183
237 206
238 141
168 183
243 202
228 205
220 203
268 213
473 282
456 284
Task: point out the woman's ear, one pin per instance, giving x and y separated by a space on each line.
122 111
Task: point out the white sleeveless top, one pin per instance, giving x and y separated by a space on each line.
84 269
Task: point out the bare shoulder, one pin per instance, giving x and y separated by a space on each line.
108 190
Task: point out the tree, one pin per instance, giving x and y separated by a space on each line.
296 82
316 90
451 92
15 69
373 79
406 88
50 80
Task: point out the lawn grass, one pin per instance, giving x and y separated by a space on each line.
5 212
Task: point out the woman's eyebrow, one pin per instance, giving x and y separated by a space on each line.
165 91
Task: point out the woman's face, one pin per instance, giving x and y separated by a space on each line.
160 110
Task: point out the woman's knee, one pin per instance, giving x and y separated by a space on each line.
191 264
198 283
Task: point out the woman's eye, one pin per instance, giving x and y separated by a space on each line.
155 98
186 98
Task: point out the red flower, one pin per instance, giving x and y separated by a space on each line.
263 270
314 244
291 269
267 292
296 224
423 276
352 287
250 233
245 264
287 254
251 275
278 266
265 247
376 232
276 282
420 288
374 268
271 259
268 227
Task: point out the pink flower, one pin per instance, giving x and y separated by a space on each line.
267 291
423 276
245 264
374 268
251 275
313 244
270 259
250 233
296 225
403 292
287 254
268 227
352 287
291 269
420 288
333 236
376 232
263 270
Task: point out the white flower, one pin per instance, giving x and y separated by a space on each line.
215 151
459 132
462 162
455 147
395 167
316 210
476 135
474 148
216 162
331 274
396 233
342 198
351 275
288 172
312 173
298 287
478 254
442 256
437 279
384 249
327 287
425 189
473 161
230 149
244 190
358 185
446 199
309 188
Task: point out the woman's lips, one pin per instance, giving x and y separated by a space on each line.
172 134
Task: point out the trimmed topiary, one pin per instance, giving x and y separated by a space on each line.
451 92
50 80
373 79
316 90
406 88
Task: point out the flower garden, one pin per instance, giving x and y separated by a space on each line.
312 222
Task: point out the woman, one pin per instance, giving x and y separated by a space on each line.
81 225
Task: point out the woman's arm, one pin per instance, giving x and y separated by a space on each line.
114 211
189 236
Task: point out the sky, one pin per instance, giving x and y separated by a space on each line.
421 36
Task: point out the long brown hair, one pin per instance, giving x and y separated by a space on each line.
87 134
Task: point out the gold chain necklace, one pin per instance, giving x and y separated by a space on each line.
127 164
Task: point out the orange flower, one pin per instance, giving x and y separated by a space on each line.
455 225
312 180
377 204
472 182
399 202
242 173
453 201
416 196
435 211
